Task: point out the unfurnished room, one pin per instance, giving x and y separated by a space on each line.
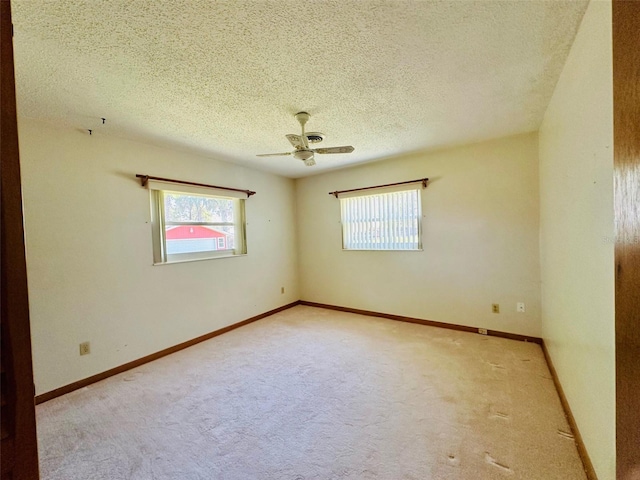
373 239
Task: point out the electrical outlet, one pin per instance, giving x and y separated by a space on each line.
482 331
85 348
281 289
520 307
495 307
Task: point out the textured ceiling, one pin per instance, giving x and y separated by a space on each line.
225 78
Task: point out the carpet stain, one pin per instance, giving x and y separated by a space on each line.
130 377
453 460
492 461
501 415
564 434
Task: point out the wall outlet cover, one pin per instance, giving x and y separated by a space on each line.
495 307
85 348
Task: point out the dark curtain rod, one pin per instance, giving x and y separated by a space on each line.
145 178
422 180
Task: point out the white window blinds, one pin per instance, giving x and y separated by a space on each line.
382 221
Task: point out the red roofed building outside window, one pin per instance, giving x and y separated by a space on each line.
196 238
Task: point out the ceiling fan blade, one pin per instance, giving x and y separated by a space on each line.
295 140
346 149
273 154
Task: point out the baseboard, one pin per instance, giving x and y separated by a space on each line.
582 450
154 356
420 321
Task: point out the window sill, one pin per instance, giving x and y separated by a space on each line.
155 264
382 250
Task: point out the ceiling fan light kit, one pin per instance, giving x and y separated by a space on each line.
301 144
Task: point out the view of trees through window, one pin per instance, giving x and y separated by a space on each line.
197 208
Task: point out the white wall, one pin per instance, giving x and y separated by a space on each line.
480 238
576 235
89 253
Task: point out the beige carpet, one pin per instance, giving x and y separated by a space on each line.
315 394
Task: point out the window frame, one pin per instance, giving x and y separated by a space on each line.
159 223
379 192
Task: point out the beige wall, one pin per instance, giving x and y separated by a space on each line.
576 235
480 238
89 253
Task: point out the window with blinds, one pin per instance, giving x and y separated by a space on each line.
382 221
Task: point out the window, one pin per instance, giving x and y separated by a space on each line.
192 225
389 220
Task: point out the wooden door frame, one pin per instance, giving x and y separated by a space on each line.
19 447
626 133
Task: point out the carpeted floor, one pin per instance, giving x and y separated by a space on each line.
316 394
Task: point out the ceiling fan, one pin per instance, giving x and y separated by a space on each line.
301 144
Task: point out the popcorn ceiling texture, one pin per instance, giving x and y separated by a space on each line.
225 78
316 394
